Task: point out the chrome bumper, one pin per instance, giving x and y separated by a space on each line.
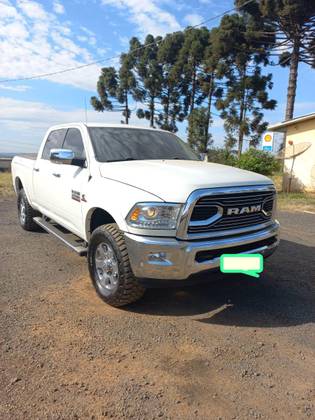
169 258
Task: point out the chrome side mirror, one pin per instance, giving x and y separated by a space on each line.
61 156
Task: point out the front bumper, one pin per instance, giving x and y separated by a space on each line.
173 259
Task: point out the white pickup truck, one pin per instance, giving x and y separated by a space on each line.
141 205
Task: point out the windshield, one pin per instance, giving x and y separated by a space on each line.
117 144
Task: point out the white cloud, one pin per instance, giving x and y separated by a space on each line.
32 9
193 19
15 88
146 15
58 8
24 123
34 41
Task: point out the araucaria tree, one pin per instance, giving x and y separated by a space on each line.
199 137
245 92
149 75
171 109
293 22
114 88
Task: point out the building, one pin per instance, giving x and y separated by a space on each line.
299 162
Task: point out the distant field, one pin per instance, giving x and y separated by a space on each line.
6 189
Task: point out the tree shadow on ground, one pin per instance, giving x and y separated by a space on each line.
284 295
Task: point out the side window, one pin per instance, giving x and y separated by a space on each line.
54 141
74 142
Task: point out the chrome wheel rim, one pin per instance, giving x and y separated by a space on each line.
22 212
106 269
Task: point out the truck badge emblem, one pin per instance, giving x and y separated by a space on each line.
243 210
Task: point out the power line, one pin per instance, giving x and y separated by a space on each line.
93 63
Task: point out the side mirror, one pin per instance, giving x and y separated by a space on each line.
61 156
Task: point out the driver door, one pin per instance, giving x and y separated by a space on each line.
73 180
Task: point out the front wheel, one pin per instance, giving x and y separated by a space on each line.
110 269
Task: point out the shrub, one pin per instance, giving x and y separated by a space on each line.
259 161
223 156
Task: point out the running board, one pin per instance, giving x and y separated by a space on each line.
72 241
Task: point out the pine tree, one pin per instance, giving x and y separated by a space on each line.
245 95
293 21
188 65
149 74
198 136
114 88
171 109
211 67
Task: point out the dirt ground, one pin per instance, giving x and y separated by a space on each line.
235 348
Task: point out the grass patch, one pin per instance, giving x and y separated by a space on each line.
277 179
6 187
296 201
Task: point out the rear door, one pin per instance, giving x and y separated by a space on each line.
46 178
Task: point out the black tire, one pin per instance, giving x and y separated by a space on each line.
122 287
26 213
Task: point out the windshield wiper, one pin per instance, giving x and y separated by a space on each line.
121 160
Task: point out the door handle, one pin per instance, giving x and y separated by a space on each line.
56 175
36 169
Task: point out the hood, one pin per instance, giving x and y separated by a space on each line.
175 180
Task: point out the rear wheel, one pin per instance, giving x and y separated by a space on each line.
110 269
26 213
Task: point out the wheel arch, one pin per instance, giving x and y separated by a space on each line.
96 217
18 184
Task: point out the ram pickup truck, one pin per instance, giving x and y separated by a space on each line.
141 205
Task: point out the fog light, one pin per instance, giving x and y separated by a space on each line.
158 256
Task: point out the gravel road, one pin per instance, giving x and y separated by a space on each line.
235 348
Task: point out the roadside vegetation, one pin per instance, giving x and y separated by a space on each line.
252 160
6 189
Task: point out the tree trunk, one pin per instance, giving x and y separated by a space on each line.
293 79
208 112
152 111
126 109
167 109
193 92
242 109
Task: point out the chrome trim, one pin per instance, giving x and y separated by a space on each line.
61 156
197 194
176 259
210 220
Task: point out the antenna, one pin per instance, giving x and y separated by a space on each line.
85 107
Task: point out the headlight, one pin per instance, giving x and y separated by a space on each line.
154 216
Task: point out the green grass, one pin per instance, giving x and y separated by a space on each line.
6 188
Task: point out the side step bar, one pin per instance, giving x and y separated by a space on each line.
72 241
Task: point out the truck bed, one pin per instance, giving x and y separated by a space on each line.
31 156
22 169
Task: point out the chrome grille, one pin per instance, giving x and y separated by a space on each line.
208 205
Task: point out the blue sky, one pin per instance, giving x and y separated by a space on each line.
45 36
